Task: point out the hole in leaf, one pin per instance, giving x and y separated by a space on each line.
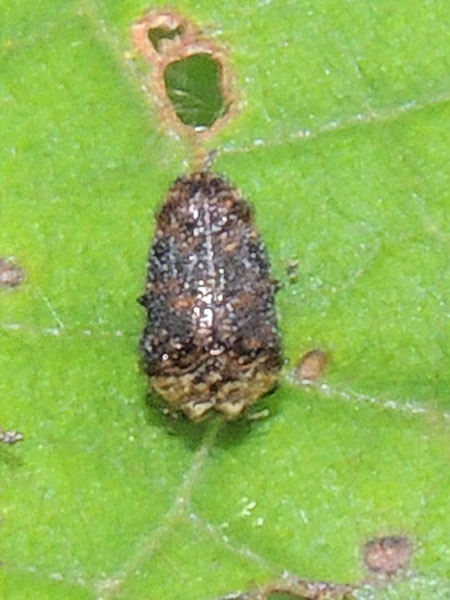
158 35
193 85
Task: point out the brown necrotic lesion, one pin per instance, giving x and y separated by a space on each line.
11 274
191 74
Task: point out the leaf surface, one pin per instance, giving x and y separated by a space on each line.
341 145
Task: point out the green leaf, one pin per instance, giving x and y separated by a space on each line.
342 146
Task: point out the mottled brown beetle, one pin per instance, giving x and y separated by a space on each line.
211 341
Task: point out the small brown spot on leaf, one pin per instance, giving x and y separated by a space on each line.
11 275
311 366
388 555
